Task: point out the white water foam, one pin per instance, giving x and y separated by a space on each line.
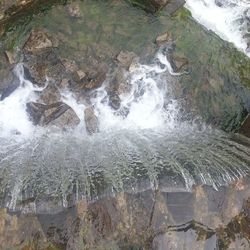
13 116
146 105
230 19
146 100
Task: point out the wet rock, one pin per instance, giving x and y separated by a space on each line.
103 216
155 5
186 238
45 67
180 213
151 5
11 57
114 100
162 38
65 83
245 127
179 64
81 74
69 65
9 89
37 72
74 10
35 111
174 5
125 58
91 121
62 117
38 41
50 95
95 78
119 83
161 217
57 114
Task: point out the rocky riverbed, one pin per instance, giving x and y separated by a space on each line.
89 47
202 218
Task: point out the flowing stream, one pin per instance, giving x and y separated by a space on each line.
145 144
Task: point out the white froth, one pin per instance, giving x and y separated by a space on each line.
13 115
143 107
228 21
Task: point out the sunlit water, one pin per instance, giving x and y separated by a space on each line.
149 147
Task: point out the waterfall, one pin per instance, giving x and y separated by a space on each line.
143 144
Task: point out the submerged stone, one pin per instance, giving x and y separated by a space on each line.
74 10
125 58
162 38
11 57
91 121
38 41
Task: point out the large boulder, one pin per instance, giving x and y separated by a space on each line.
57 114
38 41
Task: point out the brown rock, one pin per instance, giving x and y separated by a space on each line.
64 83
91 121
79 75
103 214
74 10
69 65
50 95
181 63
58 114
125 58
162 38
96 78
11 57
65 117
38 41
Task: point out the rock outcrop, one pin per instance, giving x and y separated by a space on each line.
203 218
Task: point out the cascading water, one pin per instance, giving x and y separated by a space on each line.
230 19
144 144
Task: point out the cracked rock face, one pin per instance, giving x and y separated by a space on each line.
151 219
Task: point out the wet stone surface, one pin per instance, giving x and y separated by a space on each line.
146 219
